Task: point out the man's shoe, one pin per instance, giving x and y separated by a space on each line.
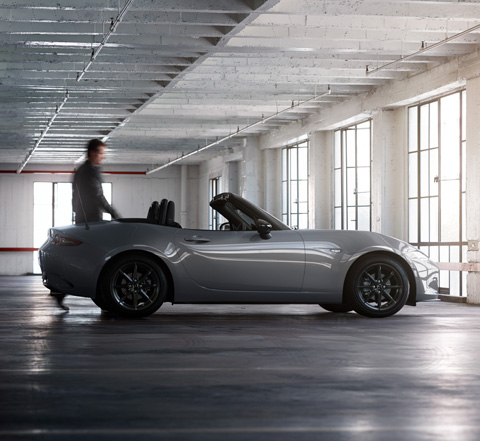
58 296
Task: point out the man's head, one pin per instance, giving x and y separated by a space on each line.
96 151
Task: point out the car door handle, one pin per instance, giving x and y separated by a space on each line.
197 239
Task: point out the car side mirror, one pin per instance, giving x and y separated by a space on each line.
225 226
264 228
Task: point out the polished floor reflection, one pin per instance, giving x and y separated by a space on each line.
235 372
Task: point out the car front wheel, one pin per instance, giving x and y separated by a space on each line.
134 286
377 287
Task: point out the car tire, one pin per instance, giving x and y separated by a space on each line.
377 286
333 307
100 302
134 285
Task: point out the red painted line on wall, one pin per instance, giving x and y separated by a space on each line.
8 250
459 266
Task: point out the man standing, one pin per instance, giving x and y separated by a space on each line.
89 203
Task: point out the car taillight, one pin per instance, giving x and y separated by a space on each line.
62 241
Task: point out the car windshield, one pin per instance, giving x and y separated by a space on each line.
241 214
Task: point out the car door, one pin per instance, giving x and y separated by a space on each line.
242 260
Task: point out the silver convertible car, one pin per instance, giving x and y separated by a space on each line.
131 266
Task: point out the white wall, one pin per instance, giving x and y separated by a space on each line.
132 196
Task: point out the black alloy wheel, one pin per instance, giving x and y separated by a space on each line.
134 286
378 287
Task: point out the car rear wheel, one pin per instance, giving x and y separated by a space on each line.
134 286
332 307
377 287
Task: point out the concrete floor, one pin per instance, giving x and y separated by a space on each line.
235 372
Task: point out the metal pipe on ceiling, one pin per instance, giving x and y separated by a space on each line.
42 135
113 27
250 126
423 50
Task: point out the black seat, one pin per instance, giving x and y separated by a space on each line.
162 212
153 211
170 218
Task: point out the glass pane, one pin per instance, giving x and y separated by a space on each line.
303 207
338 188
444 254
63 210
412 220
464 165
363 179
364 218
338 218
350 188
450 136
413 175
433 124
107 192
433 178
303 191
338 146
464 115
412 129
284 197
433 254
303 163
350 151
464 219
363 198
433 219
424 220
454 283
303 221
293 163
351 223
424 173
284 164
293 196
363 147
450 212
424 127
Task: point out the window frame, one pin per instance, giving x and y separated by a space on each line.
344 167
421 221
294 177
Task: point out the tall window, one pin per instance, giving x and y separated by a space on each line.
352 167
295 185
214 218
436 146
52 207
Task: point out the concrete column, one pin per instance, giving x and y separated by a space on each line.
252 171
272 159
321 185
389 173
473 187
233 177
